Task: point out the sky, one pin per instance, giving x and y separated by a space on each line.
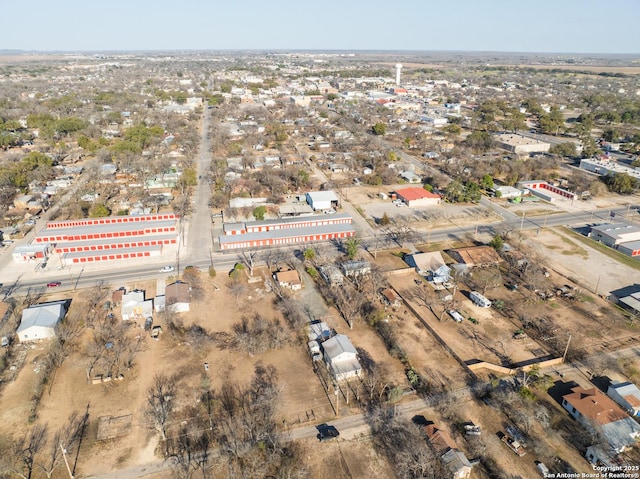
543 26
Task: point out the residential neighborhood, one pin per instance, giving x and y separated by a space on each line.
319 264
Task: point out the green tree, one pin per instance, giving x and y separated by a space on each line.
379 129
99 210
497 242
567 149
472 192
454 192
479 141
351 246
553 122
486 182
309 254
259 212
621 183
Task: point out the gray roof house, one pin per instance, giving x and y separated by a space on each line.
627 395
341 357
135 307
431 265
40 320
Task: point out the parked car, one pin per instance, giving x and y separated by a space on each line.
53 284
326 432
167 269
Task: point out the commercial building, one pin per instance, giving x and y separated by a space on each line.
31 252
521 145
546 191
322 200
417 197
116 237
615 234
608 167
286 231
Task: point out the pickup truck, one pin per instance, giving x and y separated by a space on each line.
512 444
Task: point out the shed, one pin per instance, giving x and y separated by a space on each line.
390 297
627 395
476 256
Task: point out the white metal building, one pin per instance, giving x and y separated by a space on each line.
322 200
40 321
615 234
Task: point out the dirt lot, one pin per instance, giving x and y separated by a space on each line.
575 259
444 215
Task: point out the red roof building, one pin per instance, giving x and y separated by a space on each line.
418 197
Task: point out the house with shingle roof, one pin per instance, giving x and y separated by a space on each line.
596 411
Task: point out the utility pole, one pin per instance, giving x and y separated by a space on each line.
522 221
337 403
564 356
64 455
597 284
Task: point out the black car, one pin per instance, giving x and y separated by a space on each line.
326 432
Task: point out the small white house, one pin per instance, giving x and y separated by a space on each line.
341 357
40 321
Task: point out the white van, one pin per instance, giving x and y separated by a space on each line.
479 300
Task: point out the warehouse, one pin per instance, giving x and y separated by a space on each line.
322 200
615 235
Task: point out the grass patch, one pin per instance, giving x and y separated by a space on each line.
571 248
611 253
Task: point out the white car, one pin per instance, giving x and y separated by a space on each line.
167 269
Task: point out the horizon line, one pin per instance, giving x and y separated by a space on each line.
18 51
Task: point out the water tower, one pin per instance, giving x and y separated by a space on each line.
398 70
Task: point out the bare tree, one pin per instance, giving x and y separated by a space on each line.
26 449
250 258
67 436
160 403
404 446
237 290
349 302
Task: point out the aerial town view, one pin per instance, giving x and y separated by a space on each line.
319 241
